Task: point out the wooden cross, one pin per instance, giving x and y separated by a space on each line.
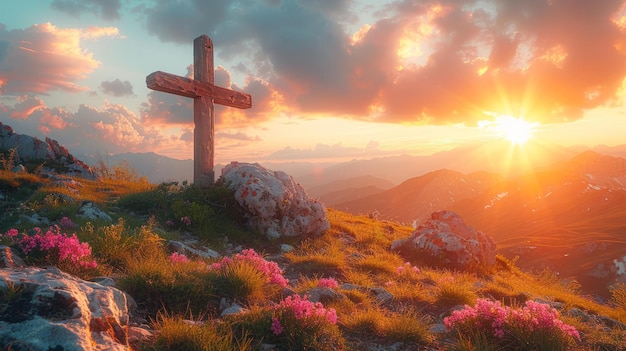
204 93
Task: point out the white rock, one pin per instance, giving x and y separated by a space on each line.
274 202
286 248
446 238
55 310
91 211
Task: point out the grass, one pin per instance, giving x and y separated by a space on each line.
175 333
182 299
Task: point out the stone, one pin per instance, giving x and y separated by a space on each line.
91 211
138 335
185 249
34 219
274 203
9 258
232 309
286 248
438 328
52 310
19 169
30 149
324 295
445 240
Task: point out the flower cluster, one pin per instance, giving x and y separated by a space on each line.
492 316
327 283
406 268
270 269
301 309
185 220
66 223
53 247
176 257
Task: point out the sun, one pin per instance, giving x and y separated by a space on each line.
516 130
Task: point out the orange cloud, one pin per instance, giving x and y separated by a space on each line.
44 58
423 61
26 106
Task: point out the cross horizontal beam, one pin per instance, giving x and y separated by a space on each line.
173 84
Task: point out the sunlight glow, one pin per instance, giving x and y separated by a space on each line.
516 130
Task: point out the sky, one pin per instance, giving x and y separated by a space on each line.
330 80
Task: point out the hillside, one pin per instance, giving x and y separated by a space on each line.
202 280
569 217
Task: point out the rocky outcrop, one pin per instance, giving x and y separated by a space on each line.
274 202
46 309
30 149
445 240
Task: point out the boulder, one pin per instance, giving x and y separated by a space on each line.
51 310
274 203
30 149
445 240
91 211
184 249
9 258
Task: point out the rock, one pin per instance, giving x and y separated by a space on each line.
91 211
19 169
9 258
30 149
286 248
35 219
51 310
445 240
232 309
137 335
383 297
184 249
275 204
438 328
324 295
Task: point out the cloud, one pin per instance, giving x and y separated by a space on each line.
93 32
117 88
426 61
111 128
236 136
107 9
44 58
25 106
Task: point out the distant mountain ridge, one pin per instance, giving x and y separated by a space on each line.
156 168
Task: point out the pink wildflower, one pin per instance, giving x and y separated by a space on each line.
276 328
66 223
303 308
185 220
407 268
327 283
490 314
12 233
56 247
176 257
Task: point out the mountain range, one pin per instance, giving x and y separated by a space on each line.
569 217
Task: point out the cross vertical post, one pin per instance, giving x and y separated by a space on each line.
204 92
203 116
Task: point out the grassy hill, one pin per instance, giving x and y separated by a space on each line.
369 297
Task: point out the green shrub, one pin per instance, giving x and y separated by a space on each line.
167 286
